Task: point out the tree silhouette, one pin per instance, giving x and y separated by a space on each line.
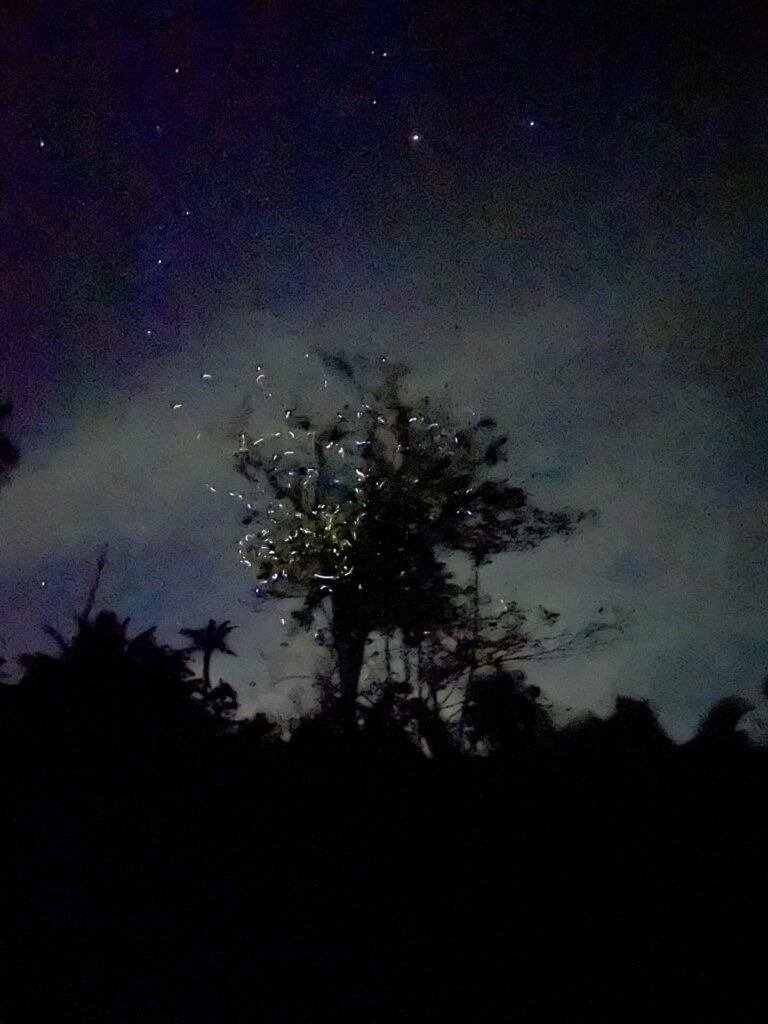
476 643
504 710
101 654
354 515
719 728
106 690
208 641
104 679
9 453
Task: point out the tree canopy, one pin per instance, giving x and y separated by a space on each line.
357 516
108 690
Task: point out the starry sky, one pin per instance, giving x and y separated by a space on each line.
555 213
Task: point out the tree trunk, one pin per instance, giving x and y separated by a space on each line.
387 659
475 621
349 640
207 671
350 647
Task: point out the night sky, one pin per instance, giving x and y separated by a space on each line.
555 213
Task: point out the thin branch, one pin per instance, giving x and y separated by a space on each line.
57 636
95 586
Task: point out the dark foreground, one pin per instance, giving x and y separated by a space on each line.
236 880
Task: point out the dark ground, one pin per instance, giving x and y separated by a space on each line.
235 880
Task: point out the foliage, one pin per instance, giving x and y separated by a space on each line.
358 500
210 640
475 641
104 687
354 516
502 709
719 727
102 657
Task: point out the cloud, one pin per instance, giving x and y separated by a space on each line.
597 418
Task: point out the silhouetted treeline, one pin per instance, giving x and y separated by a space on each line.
162 863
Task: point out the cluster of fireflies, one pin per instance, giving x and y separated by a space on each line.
310 490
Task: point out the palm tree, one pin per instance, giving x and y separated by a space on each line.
208 640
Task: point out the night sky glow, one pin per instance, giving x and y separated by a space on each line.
555 214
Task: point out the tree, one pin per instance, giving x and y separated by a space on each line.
502 709
354 516
719 730
475 645
100 655
210 640
106 690
9 453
